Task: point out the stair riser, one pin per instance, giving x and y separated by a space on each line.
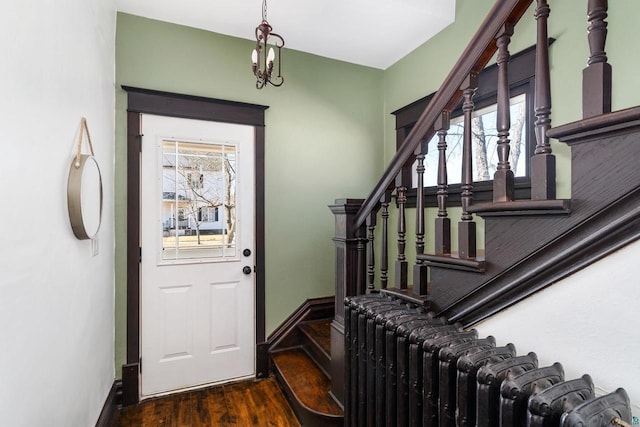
322 359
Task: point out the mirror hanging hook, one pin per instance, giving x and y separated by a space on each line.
83 128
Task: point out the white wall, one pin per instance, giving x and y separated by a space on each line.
56 299
589 322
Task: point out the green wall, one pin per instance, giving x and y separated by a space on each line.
329 130
324 140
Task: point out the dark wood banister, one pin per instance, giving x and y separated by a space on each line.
474 58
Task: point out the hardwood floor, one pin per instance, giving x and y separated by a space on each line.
248 403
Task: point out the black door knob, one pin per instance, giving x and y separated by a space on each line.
246 269
246 252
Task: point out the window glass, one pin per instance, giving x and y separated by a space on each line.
198 200
484 145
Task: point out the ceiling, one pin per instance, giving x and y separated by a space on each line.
373 33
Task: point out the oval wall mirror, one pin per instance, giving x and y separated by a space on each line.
84 197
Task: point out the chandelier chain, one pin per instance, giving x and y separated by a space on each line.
264 10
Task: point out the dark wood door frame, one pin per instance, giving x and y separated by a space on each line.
145 101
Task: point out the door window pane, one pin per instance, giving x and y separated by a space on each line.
198 200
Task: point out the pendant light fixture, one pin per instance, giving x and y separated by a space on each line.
263 56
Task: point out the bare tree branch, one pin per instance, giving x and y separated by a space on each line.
480 141
516 140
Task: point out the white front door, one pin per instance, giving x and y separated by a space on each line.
197 236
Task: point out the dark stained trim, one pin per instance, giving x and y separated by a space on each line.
108 413
521 70
193 107
522 208
311 309
130 384
145 101
260 233
262 360
482 192
588 129
263 366
130 369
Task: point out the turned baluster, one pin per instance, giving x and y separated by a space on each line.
420 269
384 251
371 255
443 223
361 248
596 78
543 163
401 262
466 226
503 180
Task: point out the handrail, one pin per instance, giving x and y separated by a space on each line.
474 58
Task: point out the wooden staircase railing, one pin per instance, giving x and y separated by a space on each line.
356 238
474 58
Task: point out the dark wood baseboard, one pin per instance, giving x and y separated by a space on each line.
108 413
311 309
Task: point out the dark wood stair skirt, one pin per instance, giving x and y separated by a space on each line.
307 388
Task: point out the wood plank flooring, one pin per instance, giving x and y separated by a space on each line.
248 403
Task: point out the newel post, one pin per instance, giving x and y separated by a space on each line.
350 280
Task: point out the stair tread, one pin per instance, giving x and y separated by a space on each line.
309 384
453 260
319 331
523 207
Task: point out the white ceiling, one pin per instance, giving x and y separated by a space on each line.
376 33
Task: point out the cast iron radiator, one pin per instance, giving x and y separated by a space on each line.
406 367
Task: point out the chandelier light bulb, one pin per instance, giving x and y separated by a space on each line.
270 71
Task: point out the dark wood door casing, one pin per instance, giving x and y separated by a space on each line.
145 101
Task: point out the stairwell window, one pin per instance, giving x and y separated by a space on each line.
484 145
484 155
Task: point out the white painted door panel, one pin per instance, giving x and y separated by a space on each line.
197 306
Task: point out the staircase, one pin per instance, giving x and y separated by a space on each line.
531 242
301 361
